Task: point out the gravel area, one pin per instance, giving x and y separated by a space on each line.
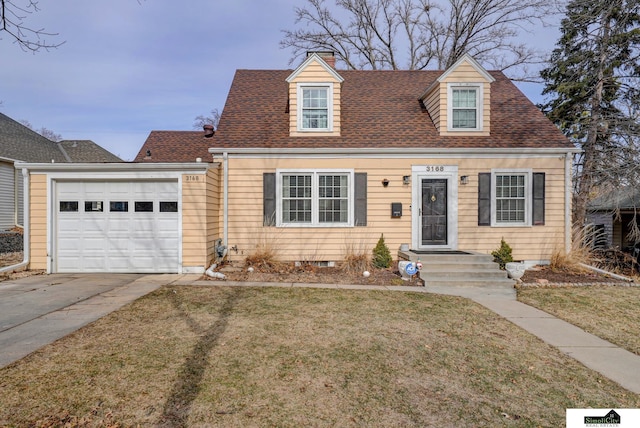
10 242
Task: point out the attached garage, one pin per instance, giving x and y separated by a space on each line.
116 226
121 218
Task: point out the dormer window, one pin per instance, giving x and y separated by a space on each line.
315 108
465 107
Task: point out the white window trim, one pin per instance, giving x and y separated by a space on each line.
528 187
315 173
329 86
479 105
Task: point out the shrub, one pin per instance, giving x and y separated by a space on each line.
582 244
502 255
381 254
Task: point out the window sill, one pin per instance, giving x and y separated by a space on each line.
314 226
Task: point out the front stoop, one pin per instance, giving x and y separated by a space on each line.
461 268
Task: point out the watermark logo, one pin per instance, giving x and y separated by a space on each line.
597 418
611 419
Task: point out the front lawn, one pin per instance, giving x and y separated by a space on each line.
242 357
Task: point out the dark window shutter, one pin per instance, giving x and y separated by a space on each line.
484 199
360 216
269 198
538 199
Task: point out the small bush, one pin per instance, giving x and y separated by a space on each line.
502 255
381 254
263 259
356 263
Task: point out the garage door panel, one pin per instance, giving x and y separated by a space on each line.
143 245
146 240
96 263
92 244
165 224
118 226
143 226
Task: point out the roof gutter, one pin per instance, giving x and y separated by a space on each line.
113 167
395 152
26 254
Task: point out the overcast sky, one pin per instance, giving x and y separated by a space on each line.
129 67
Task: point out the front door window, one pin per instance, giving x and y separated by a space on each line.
434 212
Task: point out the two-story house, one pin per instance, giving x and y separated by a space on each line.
315 162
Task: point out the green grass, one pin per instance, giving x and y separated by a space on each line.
242 357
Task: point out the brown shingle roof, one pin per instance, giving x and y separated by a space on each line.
378 109
175 146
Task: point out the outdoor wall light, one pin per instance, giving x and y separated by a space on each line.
464 179
406 179
385 182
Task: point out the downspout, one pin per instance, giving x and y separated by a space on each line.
567 203
25 228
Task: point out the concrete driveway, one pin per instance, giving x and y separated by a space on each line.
37 310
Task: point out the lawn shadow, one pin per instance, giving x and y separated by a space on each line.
189 381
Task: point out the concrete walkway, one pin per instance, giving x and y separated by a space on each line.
20 335
613 362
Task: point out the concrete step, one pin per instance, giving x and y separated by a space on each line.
459 269
464 273
456 282
460 266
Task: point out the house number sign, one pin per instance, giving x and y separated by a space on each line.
434 168
192 178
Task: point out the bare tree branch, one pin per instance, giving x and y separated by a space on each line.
12 17
418 34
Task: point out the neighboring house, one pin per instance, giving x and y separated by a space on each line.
20 144
616 216
314 163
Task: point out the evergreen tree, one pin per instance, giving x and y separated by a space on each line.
592 77
381 254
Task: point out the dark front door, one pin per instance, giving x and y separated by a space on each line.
434 212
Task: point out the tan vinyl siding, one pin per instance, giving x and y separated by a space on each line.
38 221
433 105
530 242
329 244
194 221
313 73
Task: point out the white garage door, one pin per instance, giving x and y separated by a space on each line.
117 226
